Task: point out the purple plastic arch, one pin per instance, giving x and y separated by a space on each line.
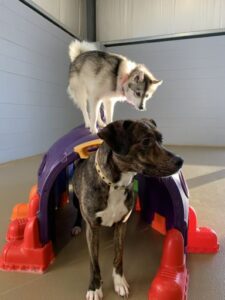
167 196
58 157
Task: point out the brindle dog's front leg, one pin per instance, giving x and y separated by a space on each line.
120 284
95 289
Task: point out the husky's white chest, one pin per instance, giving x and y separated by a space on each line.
116 209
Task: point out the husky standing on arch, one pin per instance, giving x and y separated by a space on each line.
98 77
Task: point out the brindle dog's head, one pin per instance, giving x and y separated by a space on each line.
137 147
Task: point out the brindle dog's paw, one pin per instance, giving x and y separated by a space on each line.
76 230
94 295
120 285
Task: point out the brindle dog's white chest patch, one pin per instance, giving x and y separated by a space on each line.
116 209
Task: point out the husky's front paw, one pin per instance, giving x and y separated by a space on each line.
120 285
101 124
94 130
94 295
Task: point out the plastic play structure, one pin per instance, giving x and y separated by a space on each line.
162 202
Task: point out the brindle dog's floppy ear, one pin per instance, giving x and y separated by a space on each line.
151 122
116 137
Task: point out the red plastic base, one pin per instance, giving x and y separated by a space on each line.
23 250
16 258
26 254
171 281
200 239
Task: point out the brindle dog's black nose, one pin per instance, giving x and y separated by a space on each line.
179 162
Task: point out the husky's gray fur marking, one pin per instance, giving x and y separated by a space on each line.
98 77
129 147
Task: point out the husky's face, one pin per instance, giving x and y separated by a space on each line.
139 88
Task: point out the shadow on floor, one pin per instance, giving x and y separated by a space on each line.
205 179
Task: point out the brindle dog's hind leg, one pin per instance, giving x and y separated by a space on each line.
95 289
77 225
120 284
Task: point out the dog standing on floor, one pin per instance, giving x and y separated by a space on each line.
98 77
103 186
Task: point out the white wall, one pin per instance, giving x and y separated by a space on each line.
189 107
71 13
123 19
34 107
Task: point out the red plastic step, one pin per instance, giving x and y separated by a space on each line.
24 251
171 280
16 229
200 239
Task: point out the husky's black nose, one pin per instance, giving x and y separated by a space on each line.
179 162
141 107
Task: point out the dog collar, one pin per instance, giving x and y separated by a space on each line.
104 177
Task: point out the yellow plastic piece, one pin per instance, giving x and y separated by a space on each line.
20 211
83 149
33 192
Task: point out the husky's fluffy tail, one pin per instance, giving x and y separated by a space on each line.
76 48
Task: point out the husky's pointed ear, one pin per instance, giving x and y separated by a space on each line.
157 82
140 76
137 75
116 137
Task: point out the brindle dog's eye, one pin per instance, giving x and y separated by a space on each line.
146 142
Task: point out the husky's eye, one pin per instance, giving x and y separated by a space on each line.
147 96
138 94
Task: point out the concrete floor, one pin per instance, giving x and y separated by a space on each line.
67 278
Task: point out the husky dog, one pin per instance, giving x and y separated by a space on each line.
97 77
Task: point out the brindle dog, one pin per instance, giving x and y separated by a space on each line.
103 185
